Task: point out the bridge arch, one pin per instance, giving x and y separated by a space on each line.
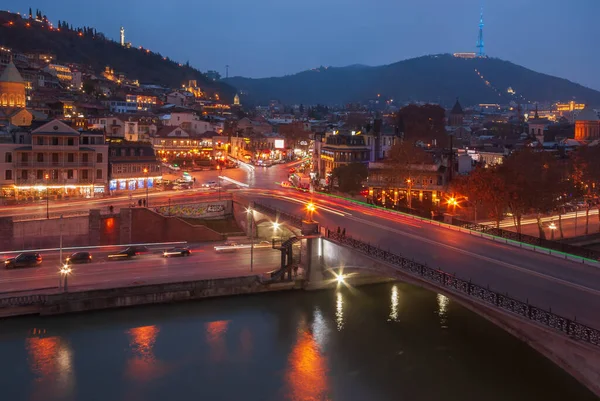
570 345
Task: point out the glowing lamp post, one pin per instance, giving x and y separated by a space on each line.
453 202
65 270
219 181
310 209
147 182
47 177
251 221
552 228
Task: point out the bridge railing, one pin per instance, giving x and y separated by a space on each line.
529 239
294 220
546 318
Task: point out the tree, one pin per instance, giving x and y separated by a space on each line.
534 183
484 187
350 176
423 123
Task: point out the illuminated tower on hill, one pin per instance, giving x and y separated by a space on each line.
480 45
122 36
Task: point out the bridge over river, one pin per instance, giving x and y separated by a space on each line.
551 301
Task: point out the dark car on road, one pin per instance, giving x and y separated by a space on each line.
28 259
130 252
79 257
177 251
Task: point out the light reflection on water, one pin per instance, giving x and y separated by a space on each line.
307 372
215 337
142 365
394 304
51 361
442 311
339 310
281 347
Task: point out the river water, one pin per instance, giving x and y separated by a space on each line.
382 342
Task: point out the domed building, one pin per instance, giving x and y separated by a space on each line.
12 87
12 97
587 125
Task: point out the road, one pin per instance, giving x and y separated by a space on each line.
570 289
204 263
261 177
573 224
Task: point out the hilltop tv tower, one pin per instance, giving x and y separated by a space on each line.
122 36
480 45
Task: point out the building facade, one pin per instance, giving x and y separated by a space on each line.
133 166
342 149
57 162
587 125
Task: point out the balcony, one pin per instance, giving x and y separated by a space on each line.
47 164
32 181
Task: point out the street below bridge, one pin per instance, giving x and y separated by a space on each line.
567 288
151 268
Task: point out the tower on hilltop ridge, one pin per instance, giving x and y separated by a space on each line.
480 45
122 36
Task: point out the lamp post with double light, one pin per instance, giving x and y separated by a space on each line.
552 228
147 182
47 177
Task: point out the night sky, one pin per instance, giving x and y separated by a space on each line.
260 38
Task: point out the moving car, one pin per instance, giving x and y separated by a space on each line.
79 257
177 251
27 259
210 184
130 252
229 247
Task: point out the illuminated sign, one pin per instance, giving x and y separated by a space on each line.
303 143
279 144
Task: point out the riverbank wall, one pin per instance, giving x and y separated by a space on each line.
54 301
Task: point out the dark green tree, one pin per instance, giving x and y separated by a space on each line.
424 123
350 177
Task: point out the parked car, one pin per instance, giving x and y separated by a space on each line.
27 259
79 257
130 252
177 251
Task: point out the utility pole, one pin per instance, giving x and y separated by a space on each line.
47 196
251 240
61 239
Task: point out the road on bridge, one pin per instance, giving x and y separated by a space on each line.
570 289
204 263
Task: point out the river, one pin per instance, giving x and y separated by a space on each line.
381 342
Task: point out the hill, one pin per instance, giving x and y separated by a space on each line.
88 47
438 78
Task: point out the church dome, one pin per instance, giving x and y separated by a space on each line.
11 74
587 114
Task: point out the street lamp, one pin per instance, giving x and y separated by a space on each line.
552 228
65 270
409 195
219 180
146 173
251 218
453 202
47 177
310 209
